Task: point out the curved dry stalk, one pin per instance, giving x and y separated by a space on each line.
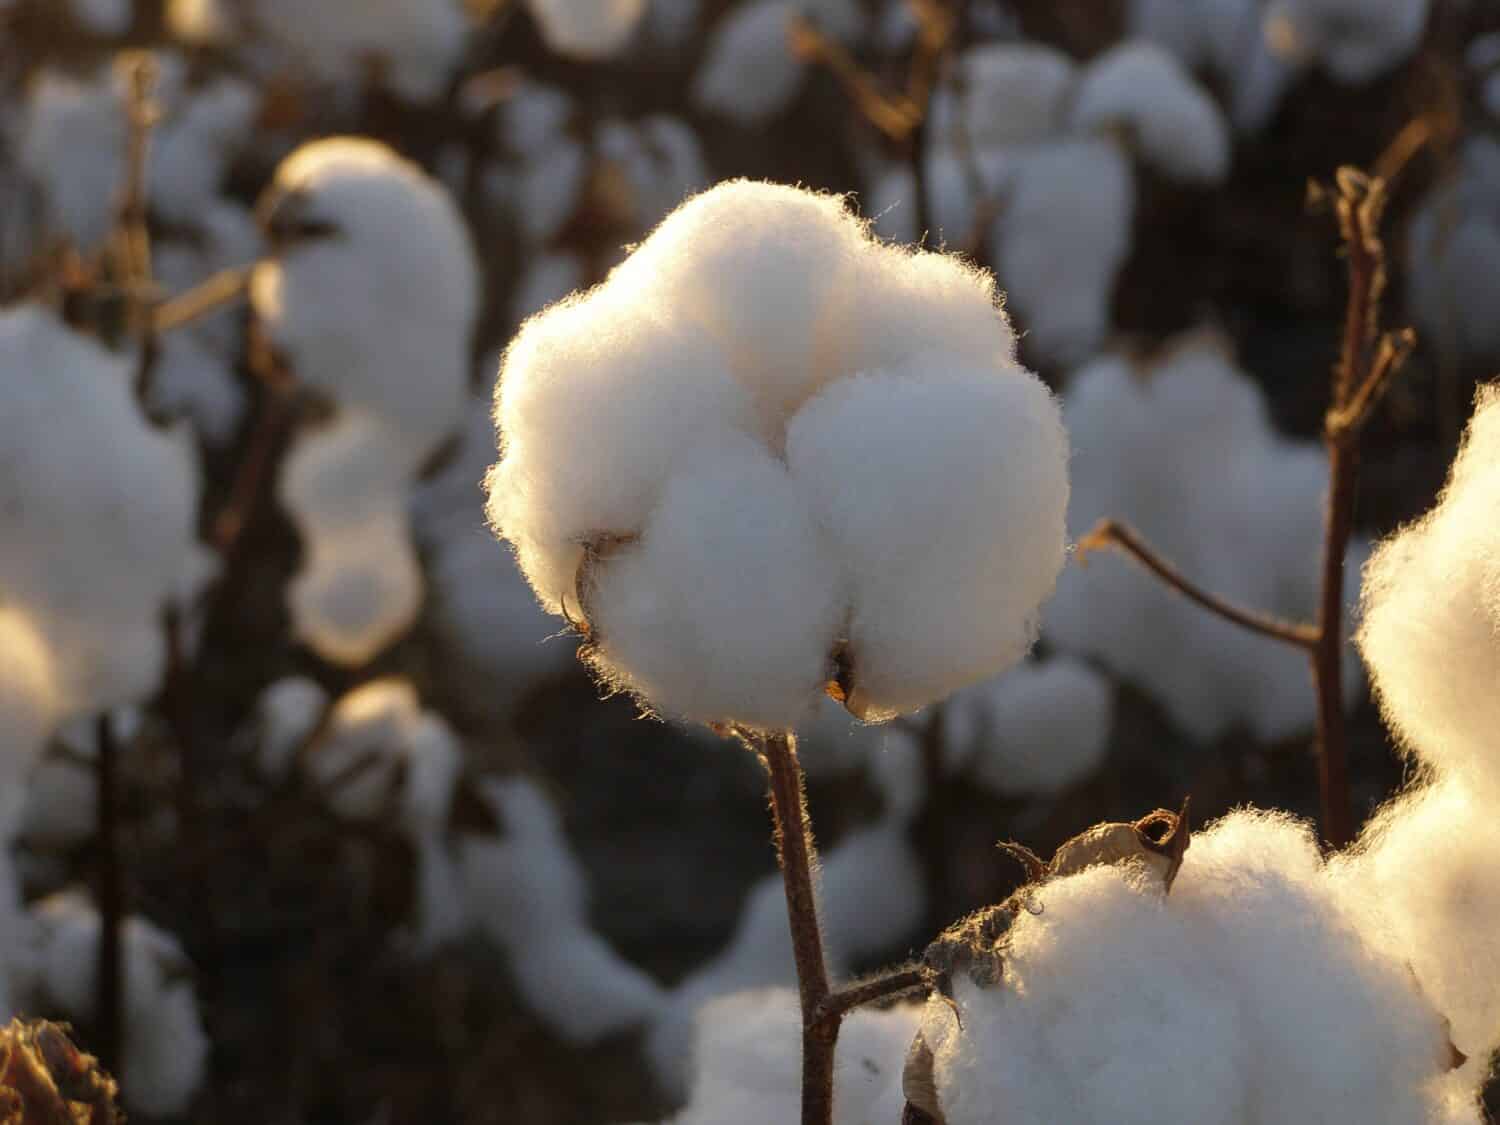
223 288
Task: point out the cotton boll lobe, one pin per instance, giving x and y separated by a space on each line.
1174 123
28 706
749 73
73 145
287 714
1007 93
654 391
1060 241
1038 728
761 268
732 554
1431 615
930 612
587 29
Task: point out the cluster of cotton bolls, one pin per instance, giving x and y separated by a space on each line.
377 754
1258 48
739 537
1031 157
370 296
1183 450
97 534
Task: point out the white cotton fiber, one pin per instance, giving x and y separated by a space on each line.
72 145
1173 122
721 581
103 17
1005 94
749 73
286 715
1431 615
659 161
1038 728
1060 241
748 1049
190 380
1247 996
586 29
1183 451
926 615
724 608
28 704
97 512
166 1048
526 891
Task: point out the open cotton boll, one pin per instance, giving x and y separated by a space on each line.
1247 995
1355 40
1036 729
1004 94
533 117
93 545
194 147
1431 615
191 380
731 552
526 891
28 705
747 1070
286 715
1060 241
417 43
166 1048
586 29
660 162
72 145
1423 871
927 615
1175 125
378 313
764 269
548 189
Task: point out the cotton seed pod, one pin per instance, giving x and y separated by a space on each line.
46 1080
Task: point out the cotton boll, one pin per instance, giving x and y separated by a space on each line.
762 268
747 1070
92 548
1431 615
660 161
871 891
379 316
1038 728
189 379
73 145
194 146
731 552
533 117
1174 123
586 29
929 613
1060 241
549 189
201 23
287 713
580 987
1007 94
28 704
1357 40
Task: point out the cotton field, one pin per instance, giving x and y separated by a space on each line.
724 562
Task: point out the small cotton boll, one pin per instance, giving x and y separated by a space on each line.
580 987
28 704
379 315
586 29
533 117
763 269
1431 615
1060 241
164 1067
1038 728
61 809
651 391
442 910
929 611
747 1072
1175 124
549 189
191 380
1357 40
1007 94
731 552
871 891
73 145
194 146
287 713
661 162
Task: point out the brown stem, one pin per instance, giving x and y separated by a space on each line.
794 847
1327 654
896 983
108 1000
1111 533
223 288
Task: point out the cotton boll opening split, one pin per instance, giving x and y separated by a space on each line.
736 334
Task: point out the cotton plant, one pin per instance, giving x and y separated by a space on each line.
1453 251
165 1046
72 143
1258 48
1182 448
369 297
97 532
1032 157
1130 981
749 73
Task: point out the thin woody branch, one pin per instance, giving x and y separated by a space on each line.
1111 533
884 987
223 288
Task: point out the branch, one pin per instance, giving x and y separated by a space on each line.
223 288
895 115
1110 533
898 982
